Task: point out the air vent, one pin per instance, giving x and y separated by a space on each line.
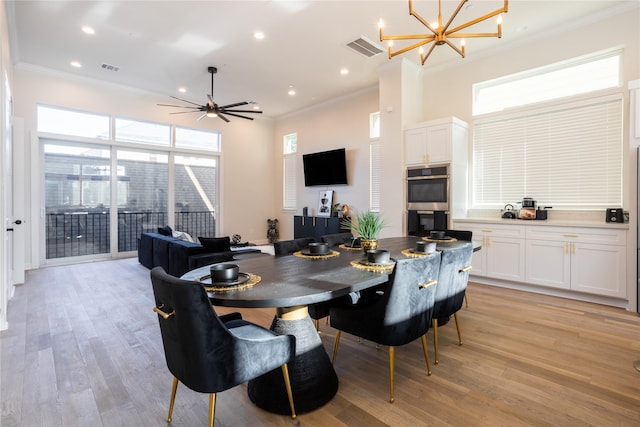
365 47
109 67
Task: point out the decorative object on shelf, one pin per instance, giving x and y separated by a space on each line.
325 200
344 210
367 225
272 232
211 109
440 34
335 210
236 238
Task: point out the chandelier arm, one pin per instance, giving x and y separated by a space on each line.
420 18
504 9
408 48
429 37
474 35
424 58
453 16
454 47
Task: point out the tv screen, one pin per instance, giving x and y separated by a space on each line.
325 168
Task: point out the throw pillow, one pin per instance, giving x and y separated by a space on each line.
183 235
216 244
165 231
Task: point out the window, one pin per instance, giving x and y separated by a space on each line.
75 123
142 132
570 78
374 178
568 156
289 149
197 139
374 125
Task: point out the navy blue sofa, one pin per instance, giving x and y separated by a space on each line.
178 256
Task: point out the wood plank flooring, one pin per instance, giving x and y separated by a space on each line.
84 349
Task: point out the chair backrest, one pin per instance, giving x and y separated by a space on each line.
198 347
406 307
453 279
460 234
287 247
337 239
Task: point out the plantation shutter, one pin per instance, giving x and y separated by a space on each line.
289 182
568 156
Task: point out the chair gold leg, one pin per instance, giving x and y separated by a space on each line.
335 346
212 408
466 304
287 384
434 322
391 363
316 323
173 398
455 316
426 353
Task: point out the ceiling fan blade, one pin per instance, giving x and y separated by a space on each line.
202 116
236 115
241 111
237 104
223 117
184 100
184 112
177 106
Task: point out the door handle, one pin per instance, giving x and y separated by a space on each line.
17 221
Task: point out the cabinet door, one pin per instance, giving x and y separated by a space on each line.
599 269
548 263
415 145
438 147
505 258
303 226
478 260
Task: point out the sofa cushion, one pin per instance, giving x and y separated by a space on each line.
216 244
165 231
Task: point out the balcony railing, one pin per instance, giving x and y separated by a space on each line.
78 233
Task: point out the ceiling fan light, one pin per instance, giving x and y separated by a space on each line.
212 114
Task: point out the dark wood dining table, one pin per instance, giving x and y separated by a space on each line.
290 284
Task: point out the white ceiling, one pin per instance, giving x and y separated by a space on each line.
163 45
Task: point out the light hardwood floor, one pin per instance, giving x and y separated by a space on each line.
84 349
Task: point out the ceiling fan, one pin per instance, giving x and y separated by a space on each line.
211 109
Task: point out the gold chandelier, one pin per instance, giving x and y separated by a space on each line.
441 33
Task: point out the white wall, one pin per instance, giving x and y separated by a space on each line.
342 123
247 180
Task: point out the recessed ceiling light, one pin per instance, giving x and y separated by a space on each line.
258 35
344 71
182 90
256 107
292 90
88 30
76 64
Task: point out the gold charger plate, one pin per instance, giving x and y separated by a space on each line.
305 254
245 280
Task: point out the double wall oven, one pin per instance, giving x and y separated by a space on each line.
427 199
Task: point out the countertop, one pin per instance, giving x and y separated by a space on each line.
565 222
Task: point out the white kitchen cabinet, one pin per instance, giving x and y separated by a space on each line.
503 252
434 141
589 260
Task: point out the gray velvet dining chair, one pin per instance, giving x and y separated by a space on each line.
398 316
451 289
210 353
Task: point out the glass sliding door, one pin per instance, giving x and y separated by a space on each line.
142 195
195 186
77 200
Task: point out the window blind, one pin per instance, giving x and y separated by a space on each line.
568 156
289 182
374 181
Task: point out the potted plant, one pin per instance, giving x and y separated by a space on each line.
367 225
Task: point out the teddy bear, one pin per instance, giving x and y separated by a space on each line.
272 231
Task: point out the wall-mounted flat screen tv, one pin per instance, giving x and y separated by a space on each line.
325 168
